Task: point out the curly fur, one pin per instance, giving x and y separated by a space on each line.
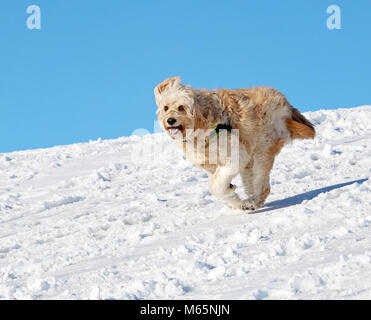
262 119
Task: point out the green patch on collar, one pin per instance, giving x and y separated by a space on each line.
216 131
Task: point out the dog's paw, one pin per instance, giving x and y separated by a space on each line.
245 205
248 205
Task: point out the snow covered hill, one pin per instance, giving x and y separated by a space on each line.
95 220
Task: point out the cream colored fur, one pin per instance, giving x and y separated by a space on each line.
263 122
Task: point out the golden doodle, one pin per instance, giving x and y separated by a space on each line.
231 132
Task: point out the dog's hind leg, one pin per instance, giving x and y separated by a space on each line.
256 182
221 187
247 177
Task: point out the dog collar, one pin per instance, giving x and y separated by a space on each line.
215 132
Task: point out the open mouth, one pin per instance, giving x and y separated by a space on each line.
174 130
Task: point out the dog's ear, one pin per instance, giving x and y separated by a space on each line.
166 85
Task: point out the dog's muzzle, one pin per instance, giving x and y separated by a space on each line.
171 121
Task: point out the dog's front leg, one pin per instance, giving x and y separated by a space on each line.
221 187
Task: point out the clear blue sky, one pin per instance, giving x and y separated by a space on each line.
90 71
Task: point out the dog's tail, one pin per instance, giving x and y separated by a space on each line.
300 127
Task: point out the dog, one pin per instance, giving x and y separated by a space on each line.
261 118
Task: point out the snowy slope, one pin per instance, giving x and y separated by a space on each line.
96 221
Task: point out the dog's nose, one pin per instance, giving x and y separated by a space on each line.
171 121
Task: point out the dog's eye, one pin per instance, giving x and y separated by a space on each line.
180 108
166 108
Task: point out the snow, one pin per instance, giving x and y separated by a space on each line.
132 219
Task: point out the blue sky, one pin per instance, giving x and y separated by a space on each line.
91 69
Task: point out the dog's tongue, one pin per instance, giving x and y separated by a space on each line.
173 131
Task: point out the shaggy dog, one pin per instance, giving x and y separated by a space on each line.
202 122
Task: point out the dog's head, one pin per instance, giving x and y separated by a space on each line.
175 107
